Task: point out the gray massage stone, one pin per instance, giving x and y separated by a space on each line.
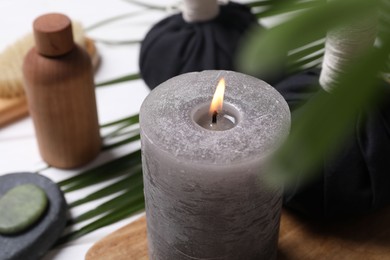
38 238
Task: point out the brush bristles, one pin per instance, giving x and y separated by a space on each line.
11 61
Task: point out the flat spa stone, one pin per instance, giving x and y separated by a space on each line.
21 207
33 242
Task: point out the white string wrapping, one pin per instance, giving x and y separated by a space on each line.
199 10
343 45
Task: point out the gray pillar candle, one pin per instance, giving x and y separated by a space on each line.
205 190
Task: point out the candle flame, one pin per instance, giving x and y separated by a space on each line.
217 102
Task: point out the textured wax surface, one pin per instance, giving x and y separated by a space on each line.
206 191
201 212
263 122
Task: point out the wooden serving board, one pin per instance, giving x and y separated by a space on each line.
365 238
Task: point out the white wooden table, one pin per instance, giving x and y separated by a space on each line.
19 152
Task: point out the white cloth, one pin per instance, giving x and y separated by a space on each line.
343 45
199 10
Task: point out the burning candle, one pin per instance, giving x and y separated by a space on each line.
217 119
205 188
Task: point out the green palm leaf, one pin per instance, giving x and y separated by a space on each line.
321 124
123 165
128 120
113 19
122 184
121 79
279 7
264 51
126 199
112 217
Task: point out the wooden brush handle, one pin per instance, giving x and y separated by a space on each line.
12 109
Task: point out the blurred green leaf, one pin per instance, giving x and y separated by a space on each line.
124 132
114 216
127 198
122 184
147 5
123 165
280 7
323 122
113 19
261 3
296 66
120 129
132 138
117 42
265 51
134 119
125 78
307 51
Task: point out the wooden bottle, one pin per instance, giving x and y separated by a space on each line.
59 84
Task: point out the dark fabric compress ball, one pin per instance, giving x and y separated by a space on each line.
173 46
355 180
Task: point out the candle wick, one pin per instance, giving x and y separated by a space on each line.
214 118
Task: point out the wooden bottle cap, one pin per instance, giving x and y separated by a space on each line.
53 34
